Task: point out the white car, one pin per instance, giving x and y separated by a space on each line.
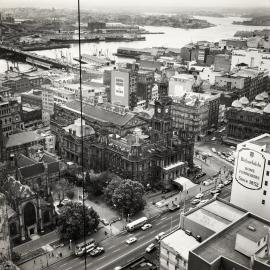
226 182
146 226
195 201
220 186
117 268
213 139
199 196
159 236
150 248
131 240
214 150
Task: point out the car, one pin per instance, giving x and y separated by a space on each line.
97 251
215 191
220 185
104 221
117 268
131 240
159 236
232 147
199 196
227 182
213 139
206 183
195 201
146 226
150 248
219 153
174 208
214 150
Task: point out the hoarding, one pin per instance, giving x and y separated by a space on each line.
250 169
119 87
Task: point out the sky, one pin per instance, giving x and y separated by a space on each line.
88 4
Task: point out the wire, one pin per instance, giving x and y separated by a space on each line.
82 135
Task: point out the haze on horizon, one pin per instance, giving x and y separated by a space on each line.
90 4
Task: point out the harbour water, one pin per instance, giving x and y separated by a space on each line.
172 37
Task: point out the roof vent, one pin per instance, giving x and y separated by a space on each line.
251 228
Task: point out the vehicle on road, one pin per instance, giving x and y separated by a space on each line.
215 191
146 226
97 251
206 183
213 139
131 240
150 248
195 201
227 182
232 147
174 208
85 247
199 196
117 268
214 150
159 236
220 185
136 224
219 153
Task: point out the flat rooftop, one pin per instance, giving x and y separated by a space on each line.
22 138
223 243
181 242
262 141
216 215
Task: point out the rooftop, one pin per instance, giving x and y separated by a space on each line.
216 215
100 114
263 141
181 242
174 165
22 138
223 243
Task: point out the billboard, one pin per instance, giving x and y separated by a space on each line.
119 87
250 169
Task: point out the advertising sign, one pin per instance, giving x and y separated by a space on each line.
250 169
119 87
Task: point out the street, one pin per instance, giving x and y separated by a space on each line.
117 252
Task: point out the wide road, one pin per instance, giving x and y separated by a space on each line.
117 252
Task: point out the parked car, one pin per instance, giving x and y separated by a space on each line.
159 236
220 185
146 226
215 191
104 221
206 182
199 196
150 248
195 201
131 240
213 139
227 182
214 150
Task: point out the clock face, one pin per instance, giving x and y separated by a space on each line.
159 110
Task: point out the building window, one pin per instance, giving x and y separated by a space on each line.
267 173
263 201
264 192
268 162
266 183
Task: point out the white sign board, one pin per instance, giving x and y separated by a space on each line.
250 169
119 87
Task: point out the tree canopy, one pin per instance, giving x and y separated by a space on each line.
71 221
109 190
126 195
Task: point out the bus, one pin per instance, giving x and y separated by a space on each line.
136 224
85 247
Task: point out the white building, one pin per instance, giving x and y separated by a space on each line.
180 84
47 105
209 75
251 57
251 184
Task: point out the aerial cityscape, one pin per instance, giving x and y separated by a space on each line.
134 135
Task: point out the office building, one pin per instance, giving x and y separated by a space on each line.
179 84
124 87
252 176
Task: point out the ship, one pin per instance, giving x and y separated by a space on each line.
43 46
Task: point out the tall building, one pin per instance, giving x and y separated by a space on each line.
251 184
124 87
47 105
179 84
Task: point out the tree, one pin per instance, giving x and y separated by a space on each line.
71 221
128 197
70 194
109 190
61 188
97 182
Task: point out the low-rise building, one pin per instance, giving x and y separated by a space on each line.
180 84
